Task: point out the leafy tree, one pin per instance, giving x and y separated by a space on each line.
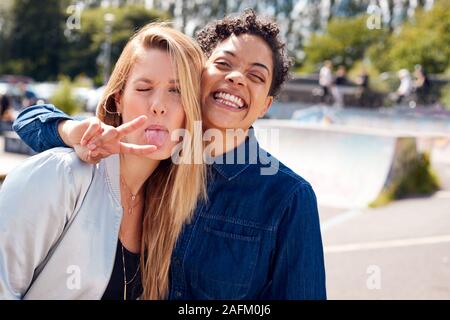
36 38
85 46
344 42
424 40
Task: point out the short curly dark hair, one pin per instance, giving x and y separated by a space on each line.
249 22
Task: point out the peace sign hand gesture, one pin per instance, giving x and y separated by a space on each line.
93 140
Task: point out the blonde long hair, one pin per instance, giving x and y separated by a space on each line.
173 190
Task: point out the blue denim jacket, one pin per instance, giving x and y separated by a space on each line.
256 237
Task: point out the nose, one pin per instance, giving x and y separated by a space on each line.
158 104
236 78
158 108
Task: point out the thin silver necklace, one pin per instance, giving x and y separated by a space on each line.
125 283
130 211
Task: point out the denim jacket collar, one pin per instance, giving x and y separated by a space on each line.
234 162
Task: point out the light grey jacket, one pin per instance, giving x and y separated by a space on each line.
59 225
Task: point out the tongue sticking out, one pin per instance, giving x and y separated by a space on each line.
156 137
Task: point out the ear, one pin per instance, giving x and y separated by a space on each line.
268 104
118 101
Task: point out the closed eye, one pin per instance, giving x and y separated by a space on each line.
223 63
258 78
143 90
175 90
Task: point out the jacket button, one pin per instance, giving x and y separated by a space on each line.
178 294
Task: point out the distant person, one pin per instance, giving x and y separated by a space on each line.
363 87
422 85
341 76
340 80
406 86
28 97
326 81
6 113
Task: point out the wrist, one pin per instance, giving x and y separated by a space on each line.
64 127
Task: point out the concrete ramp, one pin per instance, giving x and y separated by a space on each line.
347 168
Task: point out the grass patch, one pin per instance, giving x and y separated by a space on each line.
419 180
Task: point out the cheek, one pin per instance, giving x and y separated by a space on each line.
178 116
133 105
209 76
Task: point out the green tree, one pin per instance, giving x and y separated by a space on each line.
35 38
85 45
64 97
344 42
424 40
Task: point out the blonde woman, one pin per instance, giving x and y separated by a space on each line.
71 230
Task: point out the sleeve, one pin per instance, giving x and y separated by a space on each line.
37 200
298 271
37 126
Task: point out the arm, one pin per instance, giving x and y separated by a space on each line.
298 269
37 200
44 127
38 126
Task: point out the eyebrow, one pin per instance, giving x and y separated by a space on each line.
172 81
256 64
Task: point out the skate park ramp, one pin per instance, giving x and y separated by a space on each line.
347 167
430 126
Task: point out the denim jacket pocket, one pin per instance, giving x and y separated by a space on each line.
225 263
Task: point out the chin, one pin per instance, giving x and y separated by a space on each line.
159 155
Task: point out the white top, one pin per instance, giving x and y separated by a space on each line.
59 225
325 77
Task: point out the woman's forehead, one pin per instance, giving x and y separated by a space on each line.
154 63
246 48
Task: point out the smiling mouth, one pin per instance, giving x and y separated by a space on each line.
229 100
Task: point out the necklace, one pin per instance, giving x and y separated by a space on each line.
134 197
125 283
135 200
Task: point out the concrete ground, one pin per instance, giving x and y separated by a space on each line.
400 251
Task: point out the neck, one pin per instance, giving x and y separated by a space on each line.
226 140
136 170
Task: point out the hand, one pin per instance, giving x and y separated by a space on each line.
72 131
93 140
86 155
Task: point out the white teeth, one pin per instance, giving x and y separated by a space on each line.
238 102
228 103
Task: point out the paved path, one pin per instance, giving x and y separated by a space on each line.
401 251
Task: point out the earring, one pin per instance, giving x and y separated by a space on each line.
111 112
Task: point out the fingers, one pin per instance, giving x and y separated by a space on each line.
106 136
86 155
110 133
93 129
94 157
138 150
131 126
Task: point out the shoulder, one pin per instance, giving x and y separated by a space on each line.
298 191
270 170
51 168
280 185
